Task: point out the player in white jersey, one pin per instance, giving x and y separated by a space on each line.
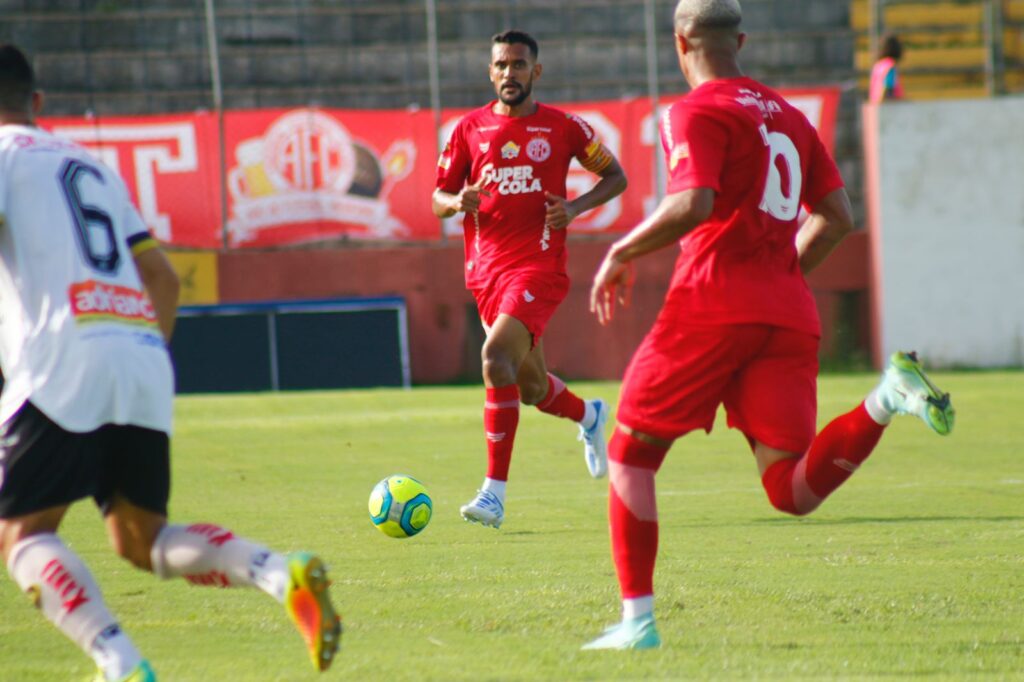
87 304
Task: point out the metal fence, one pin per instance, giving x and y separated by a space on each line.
152 56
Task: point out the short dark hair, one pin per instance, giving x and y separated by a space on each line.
513 36
891 47
17 80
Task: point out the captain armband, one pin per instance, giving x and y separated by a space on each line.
597 157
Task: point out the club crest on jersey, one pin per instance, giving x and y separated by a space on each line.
538 149
510 150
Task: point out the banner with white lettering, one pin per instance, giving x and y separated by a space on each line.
294 176
170 165
315 175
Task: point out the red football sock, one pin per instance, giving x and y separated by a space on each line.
633 512
562 402
501 417
799 485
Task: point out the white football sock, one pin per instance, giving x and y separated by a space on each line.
496 487
66 593
114 653
589 414
637 606
206 554
876 408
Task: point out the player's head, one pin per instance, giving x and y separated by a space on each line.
891 47
707 31
514 66
19 99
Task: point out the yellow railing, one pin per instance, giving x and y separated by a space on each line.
967 48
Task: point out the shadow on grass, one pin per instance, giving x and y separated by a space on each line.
890 519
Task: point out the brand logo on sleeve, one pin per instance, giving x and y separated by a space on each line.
93 301
679 152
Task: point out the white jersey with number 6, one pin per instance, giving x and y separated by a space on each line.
78 334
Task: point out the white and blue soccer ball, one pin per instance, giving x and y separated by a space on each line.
400 506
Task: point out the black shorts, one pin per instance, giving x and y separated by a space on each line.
43 466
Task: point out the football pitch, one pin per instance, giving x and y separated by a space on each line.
914 568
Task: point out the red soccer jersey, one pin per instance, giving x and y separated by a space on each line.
764 160
522 157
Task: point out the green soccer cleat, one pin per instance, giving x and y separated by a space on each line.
309 606
142 672
906 389
636 633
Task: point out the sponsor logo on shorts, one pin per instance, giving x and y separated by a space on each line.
93 301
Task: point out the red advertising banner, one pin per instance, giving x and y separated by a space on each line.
307 175
170 165
296 176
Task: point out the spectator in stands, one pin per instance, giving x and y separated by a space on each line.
885 83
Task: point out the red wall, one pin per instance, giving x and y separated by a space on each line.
444 334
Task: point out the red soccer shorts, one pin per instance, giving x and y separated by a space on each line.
765 376
530 296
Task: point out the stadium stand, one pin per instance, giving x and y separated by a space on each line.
971 48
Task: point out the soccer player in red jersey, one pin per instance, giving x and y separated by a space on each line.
738 326
505 167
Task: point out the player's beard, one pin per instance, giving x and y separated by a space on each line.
521 94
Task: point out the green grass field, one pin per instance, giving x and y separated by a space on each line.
914 568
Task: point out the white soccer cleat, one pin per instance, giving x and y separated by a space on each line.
595 449
635 633
906 389
485 509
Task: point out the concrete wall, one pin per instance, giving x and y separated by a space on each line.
946 207
444 331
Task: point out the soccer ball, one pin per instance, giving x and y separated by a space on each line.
400 506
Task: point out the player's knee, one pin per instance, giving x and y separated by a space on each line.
134 547
532 392
498 368
784 502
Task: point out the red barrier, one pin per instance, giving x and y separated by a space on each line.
319 175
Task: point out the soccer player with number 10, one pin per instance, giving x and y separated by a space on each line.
739 325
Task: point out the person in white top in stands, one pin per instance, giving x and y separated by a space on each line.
87 306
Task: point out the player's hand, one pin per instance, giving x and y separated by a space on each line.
558 212
468 200
614 280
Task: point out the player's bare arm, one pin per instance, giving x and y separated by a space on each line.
445 204
830 222
162 286
675 216
560 211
